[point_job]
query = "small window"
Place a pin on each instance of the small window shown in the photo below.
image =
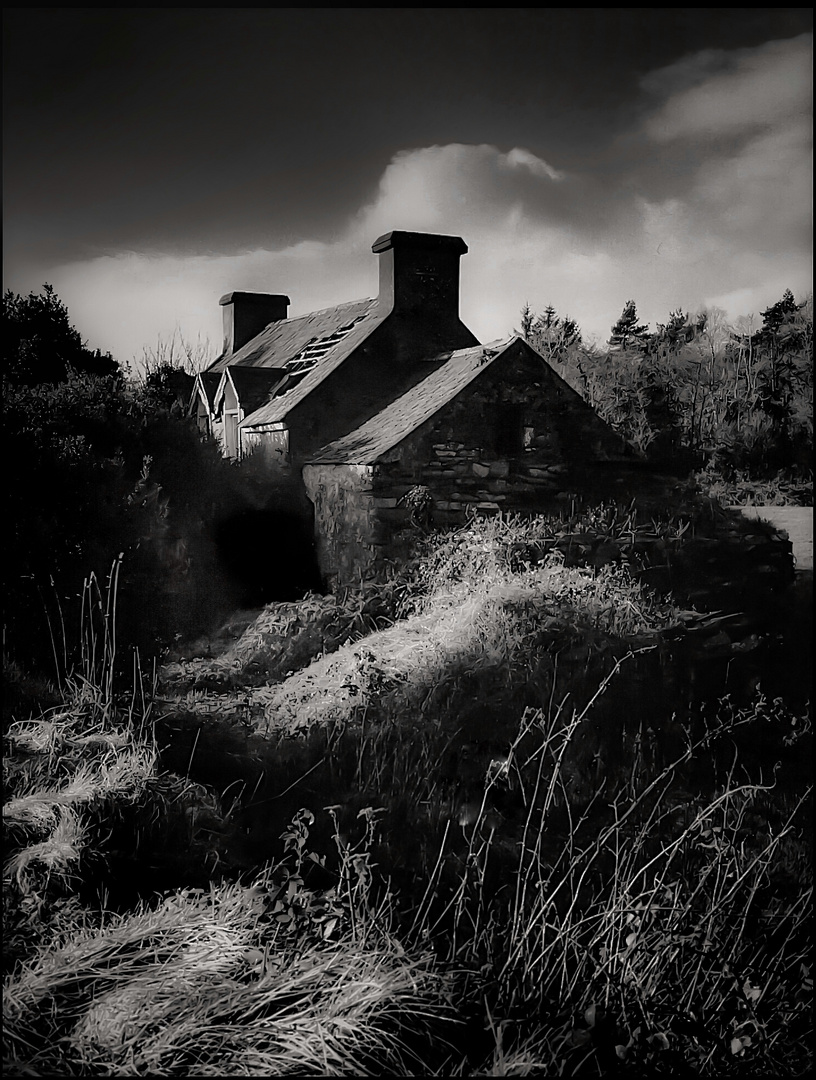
(509, 430)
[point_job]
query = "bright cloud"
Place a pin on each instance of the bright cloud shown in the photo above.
(751, 188)
(126, 303)
(454, 187)
(523, 159)
(735, 231)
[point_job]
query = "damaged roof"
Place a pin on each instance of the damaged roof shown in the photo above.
(295, 355)
(388, 428)
(284, 339)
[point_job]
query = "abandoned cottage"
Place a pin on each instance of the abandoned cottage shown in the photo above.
(374, 400)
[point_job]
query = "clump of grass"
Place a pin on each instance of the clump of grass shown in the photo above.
(79, 784)
(504, 545)
(739, 489)
(478, 612)
(82, 779)
(69, 762)
(670, 546)
(213, 983)
(286, 637)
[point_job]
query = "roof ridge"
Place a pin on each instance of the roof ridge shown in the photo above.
(329, 307)
(489, 347)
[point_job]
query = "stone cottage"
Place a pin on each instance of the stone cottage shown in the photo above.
(390, 407)
(490, 428)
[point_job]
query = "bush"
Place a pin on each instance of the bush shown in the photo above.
(103, 477)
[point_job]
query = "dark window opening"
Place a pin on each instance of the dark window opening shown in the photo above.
(509, 430)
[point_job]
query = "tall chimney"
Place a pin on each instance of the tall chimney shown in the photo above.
(419, 272)
(247, 313)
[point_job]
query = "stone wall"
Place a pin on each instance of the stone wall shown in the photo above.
(517, 440)
(345, 519)
(464, 456)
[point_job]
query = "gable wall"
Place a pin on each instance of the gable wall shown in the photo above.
(203, 417)
(361, 521)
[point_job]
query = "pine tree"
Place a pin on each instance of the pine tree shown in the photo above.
(677, 328)
(527, 320)
(551, 335)
(778, 313)
(572, 334)
(627, 333)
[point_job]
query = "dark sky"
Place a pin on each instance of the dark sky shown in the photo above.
(173, 134)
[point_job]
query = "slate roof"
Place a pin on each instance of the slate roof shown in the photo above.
(282, 340)
(388, 428)
(310, 346)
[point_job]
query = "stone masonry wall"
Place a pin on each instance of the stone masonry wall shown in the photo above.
(460, 455)
(345, 521)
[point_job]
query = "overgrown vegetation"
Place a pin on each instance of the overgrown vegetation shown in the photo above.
(41, 346)
(482, 859)
(107, 467)
(736, 401)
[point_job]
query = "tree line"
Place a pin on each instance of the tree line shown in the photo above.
(697, 392)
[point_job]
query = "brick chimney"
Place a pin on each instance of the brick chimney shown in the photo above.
(247, 313)
(419, 272)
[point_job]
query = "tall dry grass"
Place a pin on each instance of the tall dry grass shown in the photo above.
(206, 984)
(665, 930)
(267, 978)
(653, 919)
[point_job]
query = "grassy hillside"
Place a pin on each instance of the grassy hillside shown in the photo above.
(486, 819)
